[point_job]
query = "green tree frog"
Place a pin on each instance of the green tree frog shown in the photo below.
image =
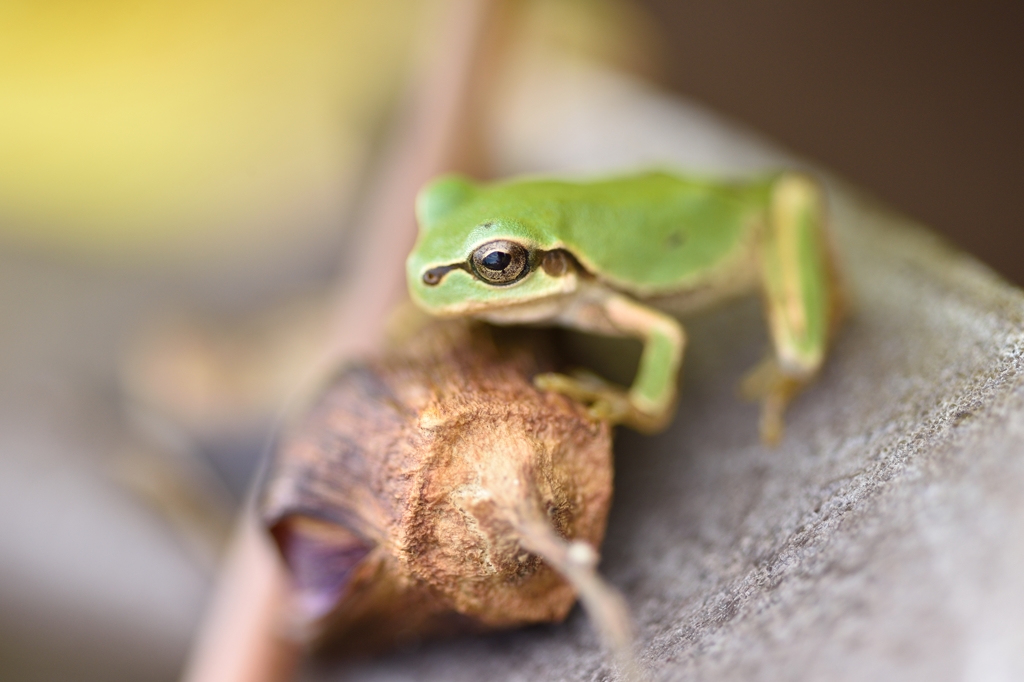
(617, 256)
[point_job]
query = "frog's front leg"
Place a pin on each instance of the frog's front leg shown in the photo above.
(647, 405)
(800, 297)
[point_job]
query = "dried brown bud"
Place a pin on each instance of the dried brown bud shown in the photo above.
(399, 501)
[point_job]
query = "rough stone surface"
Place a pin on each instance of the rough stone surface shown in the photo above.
(882, 540)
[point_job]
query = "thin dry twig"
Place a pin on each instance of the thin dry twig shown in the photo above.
(577, 560)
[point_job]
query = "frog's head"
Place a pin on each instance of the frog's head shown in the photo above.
(481, 249)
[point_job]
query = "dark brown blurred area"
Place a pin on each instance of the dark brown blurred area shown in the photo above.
(920, 103)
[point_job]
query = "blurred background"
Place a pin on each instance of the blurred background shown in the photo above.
(177, 188)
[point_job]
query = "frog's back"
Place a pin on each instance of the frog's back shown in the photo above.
(645, 234)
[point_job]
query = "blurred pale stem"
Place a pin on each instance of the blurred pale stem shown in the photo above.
(241, 639)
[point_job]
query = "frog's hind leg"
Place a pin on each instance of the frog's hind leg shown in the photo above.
(800, 297)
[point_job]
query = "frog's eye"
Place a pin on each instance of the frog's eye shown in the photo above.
(501, 262)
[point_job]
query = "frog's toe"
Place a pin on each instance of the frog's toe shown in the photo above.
(757, 384)
(583, 386)
(605, 401)
(772, 425)
(560, 383)
(613, 408)
(774, 389)
(593, 384)
(616, 407)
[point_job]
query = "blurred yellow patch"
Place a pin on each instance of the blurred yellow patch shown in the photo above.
(133, 128)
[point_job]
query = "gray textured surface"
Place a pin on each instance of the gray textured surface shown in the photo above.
(882, 540)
